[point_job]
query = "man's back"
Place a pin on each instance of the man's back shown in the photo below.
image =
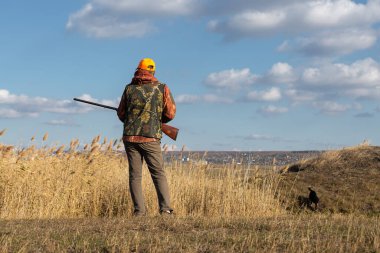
(145, 99)
(144, 107)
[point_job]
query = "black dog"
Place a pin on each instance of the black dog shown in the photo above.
(313, 198)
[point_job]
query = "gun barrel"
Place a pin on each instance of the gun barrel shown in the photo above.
(170, 131)
(93, 103)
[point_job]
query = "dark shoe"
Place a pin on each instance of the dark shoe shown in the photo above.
(138, 214)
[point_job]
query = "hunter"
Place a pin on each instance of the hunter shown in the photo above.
(146, 103)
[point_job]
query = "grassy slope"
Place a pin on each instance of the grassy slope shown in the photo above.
(304, 233)
(347, 180)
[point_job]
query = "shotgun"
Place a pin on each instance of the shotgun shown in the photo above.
(170, 131)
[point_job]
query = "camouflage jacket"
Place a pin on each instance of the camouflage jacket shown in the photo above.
(145, 105)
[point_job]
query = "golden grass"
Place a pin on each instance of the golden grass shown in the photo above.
(303, 233)
(2, 132)
(74, 199)
(66, 183)
(45, 137)
(346, 180)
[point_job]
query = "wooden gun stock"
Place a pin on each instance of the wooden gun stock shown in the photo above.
(170, 131)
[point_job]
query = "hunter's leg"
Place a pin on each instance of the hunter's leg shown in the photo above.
(153, 157)
(135, 160)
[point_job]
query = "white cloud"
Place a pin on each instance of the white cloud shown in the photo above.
(323, 27)
(297, 17)
(341, 13)
(16, 106)
(332, 81)
(359, 80)
(126, 18)
(212, 98)
(235, 79)
(61, 122)
(362, 73)
(281, 72)
(273, 94)
(186, 99)
(364, 115)
(363, 93)
(248, 23)
(87, 97)
(299, 96)
(310, 85)
(284, 47)
(151, 8)
(271, 110)
(281, 69)
(207, 98)
(255, 21)
(104, 25)
(331, 107)
(12, 113)
(232, 79)
(339, 42)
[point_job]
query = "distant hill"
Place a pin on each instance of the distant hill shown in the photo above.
(346, 180)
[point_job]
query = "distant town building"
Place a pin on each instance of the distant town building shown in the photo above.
(266, 158)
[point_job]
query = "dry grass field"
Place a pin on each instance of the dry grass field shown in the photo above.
(76, 199)
(347, 180)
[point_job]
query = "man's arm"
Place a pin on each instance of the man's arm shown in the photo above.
(169, 109)
(121, 108)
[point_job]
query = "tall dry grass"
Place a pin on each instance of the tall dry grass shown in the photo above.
(225, 209)
(63, 182)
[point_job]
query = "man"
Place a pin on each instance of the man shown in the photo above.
(145, 104)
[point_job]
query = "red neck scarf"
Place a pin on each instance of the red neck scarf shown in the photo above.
(143, 76)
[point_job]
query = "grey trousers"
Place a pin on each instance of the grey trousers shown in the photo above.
(151, 153)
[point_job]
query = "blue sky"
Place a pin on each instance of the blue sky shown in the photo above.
(246, 75)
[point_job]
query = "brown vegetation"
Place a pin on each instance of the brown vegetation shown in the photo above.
(70, 183)
(76, 199)
(347, 180)
(285, 233)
